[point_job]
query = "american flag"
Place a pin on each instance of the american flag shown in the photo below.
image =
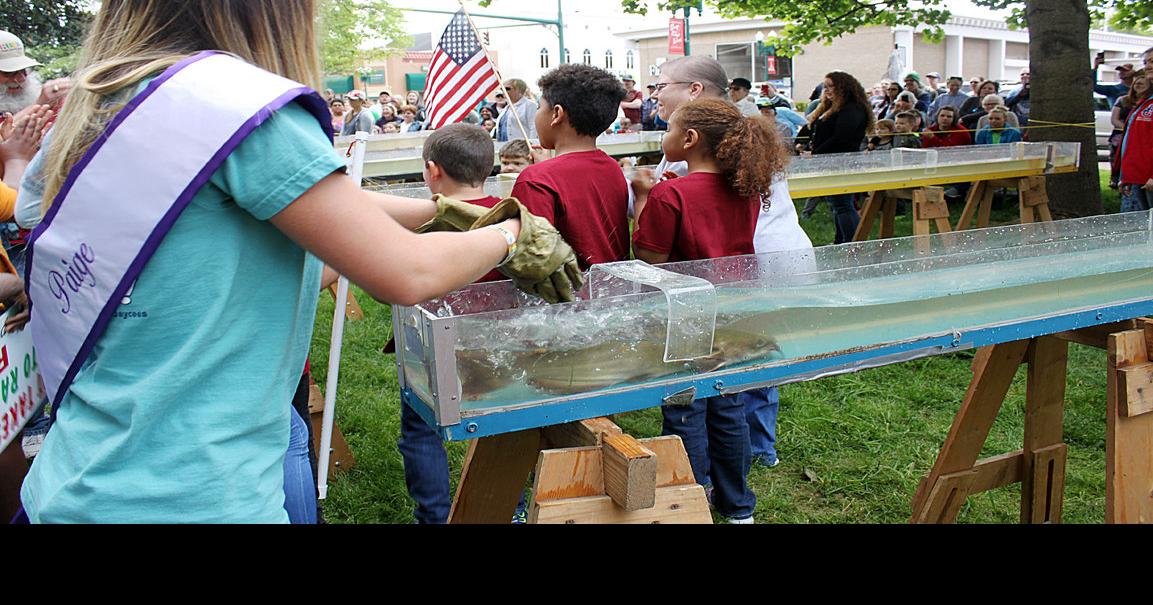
(459, 76)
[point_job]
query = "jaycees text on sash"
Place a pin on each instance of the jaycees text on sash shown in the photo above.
(76, 276)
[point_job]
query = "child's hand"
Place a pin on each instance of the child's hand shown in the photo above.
(27, 128)
(643, 181)
(53, 92)
(928, 134)
(539, 154)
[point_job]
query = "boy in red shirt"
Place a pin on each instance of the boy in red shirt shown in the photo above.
(582, 191)
(457, 159)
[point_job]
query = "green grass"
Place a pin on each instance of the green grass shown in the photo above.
(853, 447)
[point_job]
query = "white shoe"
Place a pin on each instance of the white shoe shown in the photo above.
(746, 521)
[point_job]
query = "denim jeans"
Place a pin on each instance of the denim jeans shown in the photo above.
(299, 485)
(1136, 200)
(716, 437)
(425, 467)
(761, 407)
(845, 217)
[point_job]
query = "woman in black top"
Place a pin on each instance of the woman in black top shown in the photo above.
(839, 128)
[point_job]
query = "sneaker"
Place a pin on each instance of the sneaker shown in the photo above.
(952, 192)
(745, 521)
(520, 517)
(763, 460)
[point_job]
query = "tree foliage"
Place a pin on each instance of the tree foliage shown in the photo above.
(824, 20)
(352, 32)
(52, 30)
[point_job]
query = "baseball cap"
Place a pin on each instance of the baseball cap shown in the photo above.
(12, 56)
(1124, 69)
(742, 83)
(653, 86)
(764, 102)
(356, 94)
(914, 75)
(628, 77)
(933, 74)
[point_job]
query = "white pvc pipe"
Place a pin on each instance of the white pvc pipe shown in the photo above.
(356, 170)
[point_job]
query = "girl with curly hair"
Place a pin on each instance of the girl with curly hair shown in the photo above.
(734, 162)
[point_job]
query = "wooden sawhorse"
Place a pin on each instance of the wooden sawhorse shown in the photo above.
(1033, 201)
(586, 472)
(1040, 465)
(929, 208)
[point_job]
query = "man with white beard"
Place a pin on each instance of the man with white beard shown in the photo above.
(21, 87)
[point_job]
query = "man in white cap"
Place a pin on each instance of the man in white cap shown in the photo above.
(360, 117)
(21, 87)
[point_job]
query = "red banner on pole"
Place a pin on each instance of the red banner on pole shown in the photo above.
(676, 36)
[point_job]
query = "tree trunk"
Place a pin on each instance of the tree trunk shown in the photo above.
(1062, 91)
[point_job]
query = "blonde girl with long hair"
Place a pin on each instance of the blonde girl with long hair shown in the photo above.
(178, 412)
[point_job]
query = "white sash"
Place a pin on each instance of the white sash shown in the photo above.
(127, 191)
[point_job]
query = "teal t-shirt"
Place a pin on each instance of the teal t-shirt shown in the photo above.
(181, 412)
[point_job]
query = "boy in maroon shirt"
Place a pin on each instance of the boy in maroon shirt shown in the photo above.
(582, 191)
(457, 159)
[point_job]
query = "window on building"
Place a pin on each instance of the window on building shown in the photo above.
(629, 60)
(544, 58)
(608, 59)
(756, 62)
(588, 57)
(567, 56)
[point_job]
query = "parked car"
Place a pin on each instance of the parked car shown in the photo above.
(1103, 125)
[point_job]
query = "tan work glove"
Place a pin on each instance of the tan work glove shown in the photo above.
(452, 215)
(543, 264)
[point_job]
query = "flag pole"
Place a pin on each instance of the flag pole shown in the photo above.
(480, 40)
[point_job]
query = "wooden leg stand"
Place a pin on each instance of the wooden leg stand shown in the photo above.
(1032, 195)
(340, 458)
(1129, 427)
(929, 209)
(1039, 466)
(352, 310)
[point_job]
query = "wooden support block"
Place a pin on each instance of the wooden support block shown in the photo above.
(673, 466)
(352, 310)
(1035, 193)
(579, 434)
(929, 203)
(1097, 336)
(340, 457)
(494, 474)
(997, 471)
(315, 398)
(630, 472)
(1128, 440)
(1136, 384)
(579, 471)
(946, 497)
(1047, 485)
(575, 472)
(677, 504)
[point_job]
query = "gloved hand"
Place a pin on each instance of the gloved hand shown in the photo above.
(452, 215)
(543, 264)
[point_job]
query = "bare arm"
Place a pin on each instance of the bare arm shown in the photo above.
(1115, 118)
(379, 254)
(650, 257)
